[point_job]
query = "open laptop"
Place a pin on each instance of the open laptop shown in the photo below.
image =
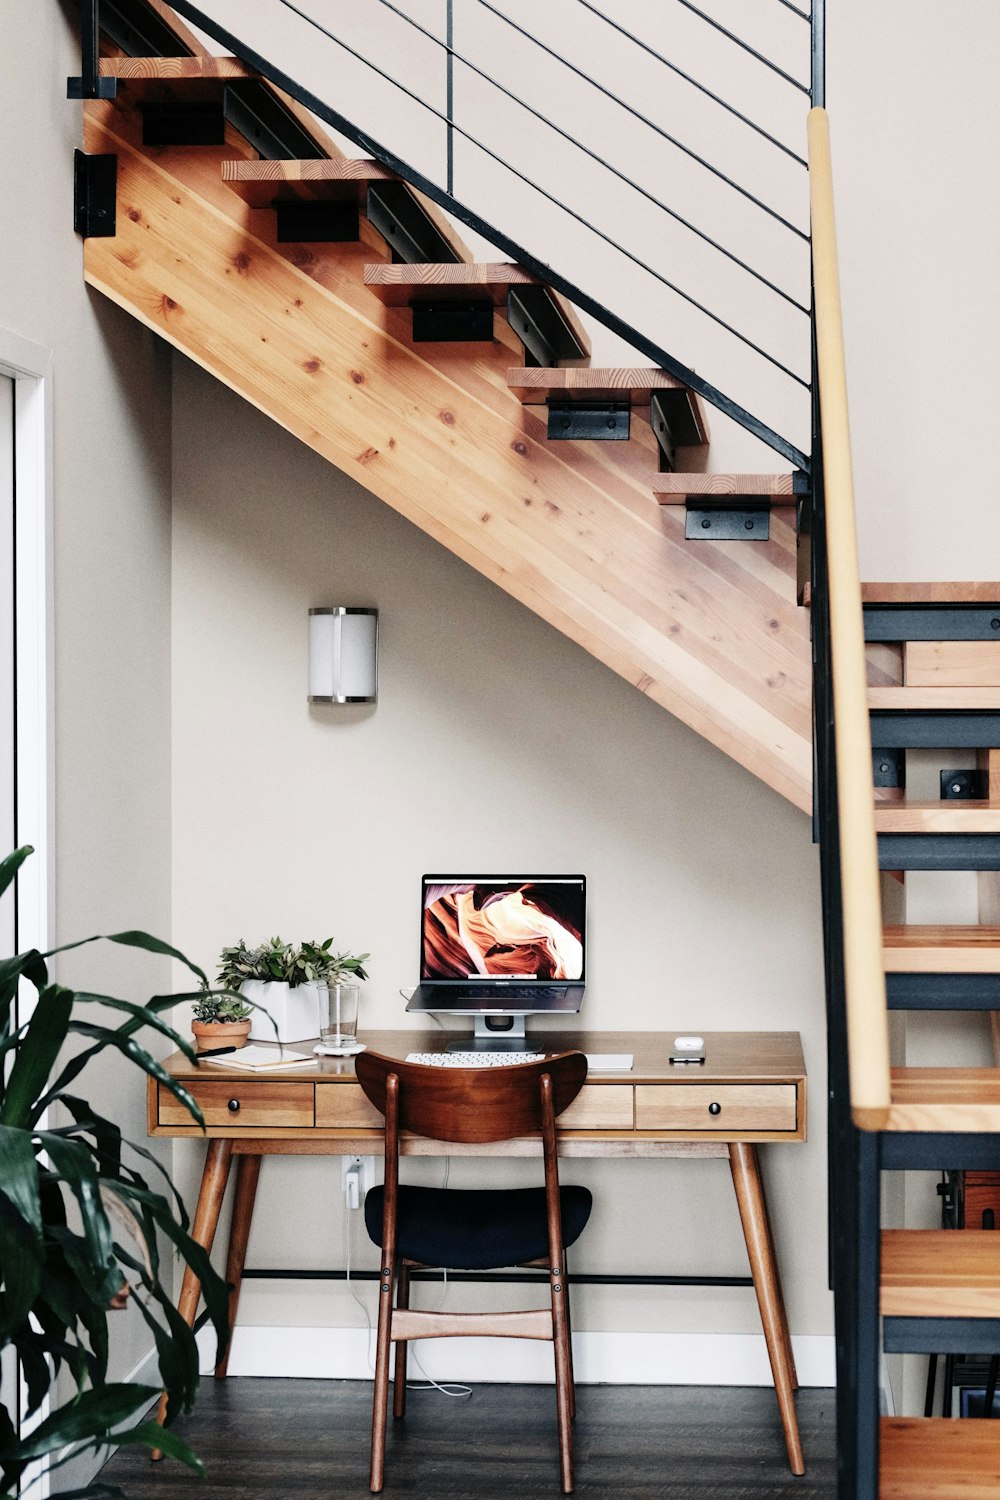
(501, 944)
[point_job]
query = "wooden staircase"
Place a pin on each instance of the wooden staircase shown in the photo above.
(329, 338)
(345, 307)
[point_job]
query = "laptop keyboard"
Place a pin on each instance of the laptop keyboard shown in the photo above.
(507, 992)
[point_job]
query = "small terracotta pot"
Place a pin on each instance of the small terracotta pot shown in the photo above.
(220, 1033)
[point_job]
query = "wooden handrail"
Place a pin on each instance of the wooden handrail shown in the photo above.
(867, 1015)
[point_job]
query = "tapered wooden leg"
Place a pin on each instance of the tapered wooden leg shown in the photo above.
(402, 1346)
(569, 1340)
(206, 1221)
(381, 1398)
(247, 1177)
(764, 1269)
(785, 1333)
(564, 1374)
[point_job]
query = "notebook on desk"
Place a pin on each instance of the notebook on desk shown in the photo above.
(503, 942)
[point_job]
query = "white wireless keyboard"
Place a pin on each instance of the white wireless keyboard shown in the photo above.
(472, 1059)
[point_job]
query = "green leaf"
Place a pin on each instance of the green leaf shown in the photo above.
(22, 1256)
(11, 864)
(19, 1177)
(88, 1418)
(36, 1055)
(73, 1163)
(152, 1435)
(105, 1037)
(133, 939)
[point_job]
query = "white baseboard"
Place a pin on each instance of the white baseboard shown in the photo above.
(598, 1358)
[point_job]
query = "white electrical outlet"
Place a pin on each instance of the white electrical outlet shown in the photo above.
(357, 1174)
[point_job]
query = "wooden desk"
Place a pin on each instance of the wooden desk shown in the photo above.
(751, 1089)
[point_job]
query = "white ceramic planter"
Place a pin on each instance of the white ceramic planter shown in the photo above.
(295, 1012)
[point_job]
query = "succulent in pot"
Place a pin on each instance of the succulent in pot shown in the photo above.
(220, 1020)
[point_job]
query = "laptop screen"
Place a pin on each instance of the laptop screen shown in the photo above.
(503, 927)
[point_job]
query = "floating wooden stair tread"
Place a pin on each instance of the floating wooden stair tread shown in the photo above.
(939, 949)
(539, 386)
(200, 76)
(935, 699)
(264, 183)
(678, 489)
(937, 817)
(398, 286)
(934, 1458)
(945, 1099)
(938, 1273)
(930, 593)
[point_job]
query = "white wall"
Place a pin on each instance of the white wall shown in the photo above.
(495, 743)
(111, 416)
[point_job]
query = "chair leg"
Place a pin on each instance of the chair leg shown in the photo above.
(569, 1339)
(402, 1346)
(381, 1399)
(564, 1374)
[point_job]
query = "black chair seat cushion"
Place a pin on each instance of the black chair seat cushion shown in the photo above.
(477, 1229)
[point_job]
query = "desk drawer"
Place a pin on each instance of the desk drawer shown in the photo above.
(746, 1106)
(600, 1106)
(256, 1103)
(344, 1106)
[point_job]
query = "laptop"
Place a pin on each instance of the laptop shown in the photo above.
(501, 944)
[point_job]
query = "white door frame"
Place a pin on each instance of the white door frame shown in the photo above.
(30, 368)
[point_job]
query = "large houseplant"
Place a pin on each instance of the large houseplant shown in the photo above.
(59, 1276)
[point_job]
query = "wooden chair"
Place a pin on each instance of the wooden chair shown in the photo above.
(482, 1229)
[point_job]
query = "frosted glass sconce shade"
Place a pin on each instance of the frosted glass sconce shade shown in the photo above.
(343, 655)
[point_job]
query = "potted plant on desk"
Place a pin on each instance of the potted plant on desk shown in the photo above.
(287, 984)
(220, 1020)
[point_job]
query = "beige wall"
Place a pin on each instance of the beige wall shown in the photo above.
(495, 743)
(111, 415)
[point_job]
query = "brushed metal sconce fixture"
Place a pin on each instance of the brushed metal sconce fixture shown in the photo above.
(343, 655)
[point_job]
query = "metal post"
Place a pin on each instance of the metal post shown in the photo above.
(450, 104)
(818, 25)
(90, 85)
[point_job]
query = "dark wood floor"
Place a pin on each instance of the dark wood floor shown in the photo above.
(308, 1440)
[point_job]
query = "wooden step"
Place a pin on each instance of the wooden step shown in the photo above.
(939, 949)
(400, 286)
(951, 664)
(935, 1458)
(541, 386)
(262, 184)
(935, 699)
(155, 77)
(937, 817)
(679, 489)
(940, 1273)
(945, 1100)
(930, 593)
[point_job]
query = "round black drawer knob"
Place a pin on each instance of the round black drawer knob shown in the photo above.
(234, 1106)
(713, 1109)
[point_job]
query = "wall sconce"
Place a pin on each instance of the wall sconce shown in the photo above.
(343, 655)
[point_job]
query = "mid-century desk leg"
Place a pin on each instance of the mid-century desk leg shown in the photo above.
(206, 1220)
(247, 1176)
(767, 1284)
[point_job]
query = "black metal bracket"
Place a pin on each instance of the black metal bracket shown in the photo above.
(932, 622)
(969, 730)
(536, 318)
(939, 851)
(592, 421)
(405, 226)
(673, 422)
(938, 1335)
(889, 767)
(457, 322)
(723, 523)
(321, 222)
(942, 991)
(963, 786)
(95, 179)
(82, 88)
(165, 123)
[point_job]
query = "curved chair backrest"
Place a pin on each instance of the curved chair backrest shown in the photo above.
(471, 1104)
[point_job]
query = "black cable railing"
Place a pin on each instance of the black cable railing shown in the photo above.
(449, 195)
